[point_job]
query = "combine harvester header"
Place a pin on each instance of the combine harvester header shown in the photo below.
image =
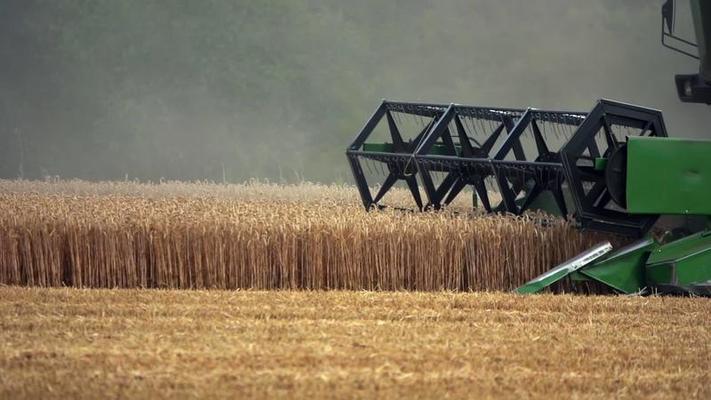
(533, 158)
(614, 168)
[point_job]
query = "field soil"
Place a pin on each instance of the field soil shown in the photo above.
(81, 343)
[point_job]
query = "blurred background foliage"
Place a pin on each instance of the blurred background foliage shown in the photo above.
(275, 89)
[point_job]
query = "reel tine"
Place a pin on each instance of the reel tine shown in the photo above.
(550, 126)
(484, 131)
(369, 167)
(470, 126)
(565, 129)
(545, 127)
(467, 124)
(376, 167)
(493, 186)
(481, 126)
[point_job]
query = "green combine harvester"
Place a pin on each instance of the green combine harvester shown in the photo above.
(613, 169)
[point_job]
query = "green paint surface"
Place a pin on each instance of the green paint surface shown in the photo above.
(682, 262)
(437, 149)
(668, 176)
(624, 269)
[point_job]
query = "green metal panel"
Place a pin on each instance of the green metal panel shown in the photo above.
(624, 269)
(567, 268)
(546, 202)
(681, 263)
(668, 176)
(681, 248)
(442, 150)
(578, 277)
(600, 163)
(694, 269)
(437, 149)
(659, 274)
(379, 147)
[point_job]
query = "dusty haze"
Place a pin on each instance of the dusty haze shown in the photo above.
(233, 90)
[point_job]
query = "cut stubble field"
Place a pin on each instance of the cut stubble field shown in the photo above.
(96, 343)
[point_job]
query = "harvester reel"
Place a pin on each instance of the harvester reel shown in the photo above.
(594, 161)
(575, 157)
(396, 157)
(522, 176)
(451, 147)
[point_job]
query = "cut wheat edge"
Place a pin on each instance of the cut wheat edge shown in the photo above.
(263, 236)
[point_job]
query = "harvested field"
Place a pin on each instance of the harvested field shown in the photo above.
(72, 343)
(262, 236)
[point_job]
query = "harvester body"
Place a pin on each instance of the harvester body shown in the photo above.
(661, 176)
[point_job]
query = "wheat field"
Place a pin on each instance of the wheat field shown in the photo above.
(420, 320)
(262, 236)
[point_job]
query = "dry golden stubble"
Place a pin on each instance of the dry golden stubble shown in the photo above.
(74, 343)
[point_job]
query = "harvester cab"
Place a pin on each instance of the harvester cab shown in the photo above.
(691, 88)
(612, 169)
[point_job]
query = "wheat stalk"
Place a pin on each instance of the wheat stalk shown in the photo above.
(262, 236)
